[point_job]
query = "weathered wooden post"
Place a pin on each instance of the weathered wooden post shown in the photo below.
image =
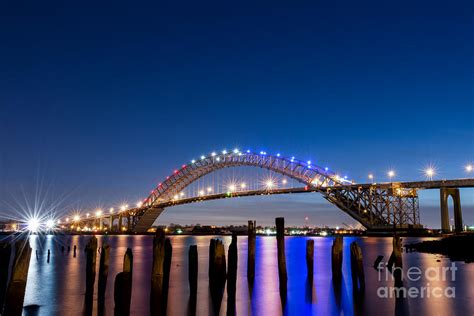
(157, 274)
(193, 278)
(336, 259)
(212, 248)
(75, 251)
(310, 258)
(16, 289)
(36, 253)
(49, 254)
(283, 278)
(103, 274)
(251, 251)
(395, 262)
(357, 267)
(166, 272)
(68, 249)
(5, 254)
(218, 274)
(91, 256)
(232, 276)
(123, 286)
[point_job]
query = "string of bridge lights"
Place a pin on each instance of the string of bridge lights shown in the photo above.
(35, 225)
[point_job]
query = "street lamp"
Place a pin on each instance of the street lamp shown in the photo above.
(371, 177)
(391, 174)
(469, 168)
(430, 172)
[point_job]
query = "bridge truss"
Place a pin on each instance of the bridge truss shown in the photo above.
(375, 207)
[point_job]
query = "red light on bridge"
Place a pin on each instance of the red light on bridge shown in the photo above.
(183, 166)
(306, 188)
(176, 171)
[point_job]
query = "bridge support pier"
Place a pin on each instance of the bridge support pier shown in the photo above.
(445, 193)
(119, 224)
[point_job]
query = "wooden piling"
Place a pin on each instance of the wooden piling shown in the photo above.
(103, 274)
(166, 272)
(157, 273)
(62, 248)
(193, 273)
(212, 248)
(310, 258)
(217, 274)
(336, 259)
(395, 262)
(357, 267)
(5, 255)
(232, 276)
(123, 286)
(16, 289)
(282, 274)
(75, 251)
(49, 254)
(251, 251)
(91, 256)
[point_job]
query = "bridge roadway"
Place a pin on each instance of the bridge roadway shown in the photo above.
(421, 185)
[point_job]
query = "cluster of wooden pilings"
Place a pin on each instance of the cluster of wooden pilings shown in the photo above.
(221, 271)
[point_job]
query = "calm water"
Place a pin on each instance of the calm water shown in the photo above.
(58, 286)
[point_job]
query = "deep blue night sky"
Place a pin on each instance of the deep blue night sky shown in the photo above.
(100, 103)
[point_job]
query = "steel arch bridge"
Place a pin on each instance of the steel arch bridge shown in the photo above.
(375, 207)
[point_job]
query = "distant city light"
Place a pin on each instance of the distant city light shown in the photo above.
(309, 162)
(98, 213)
(111, 210)
(209, 189)
(201, 193)
(371, 176)
(284, 181)
(236, 151)
(203, 157)
(139, 204)
(123, 207)
(33, 224)
(181, 193)
(243, 185)
(193, 161)
(231, 187)
(50, 224)
(76, 218)
(224, 151)
(218, 159)
(278, 155)
(88, 214)
(213, 154)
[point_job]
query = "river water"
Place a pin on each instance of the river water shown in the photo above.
(57, 287)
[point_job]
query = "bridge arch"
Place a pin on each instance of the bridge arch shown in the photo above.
(304, 172)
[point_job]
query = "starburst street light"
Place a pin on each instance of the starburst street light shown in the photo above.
(469, 168)
(371, 177)
(269, 183)
(430, 172)
(391, 174)
(50, 224)
(243, 185)
(76, 218)
(209, 189)
(98, 213)
(231, 187)
(33, 224)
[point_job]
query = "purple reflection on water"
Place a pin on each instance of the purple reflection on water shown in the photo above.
(58, 287)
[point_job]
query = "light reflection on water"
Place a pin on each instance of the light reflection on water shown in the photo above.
(58, 287)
